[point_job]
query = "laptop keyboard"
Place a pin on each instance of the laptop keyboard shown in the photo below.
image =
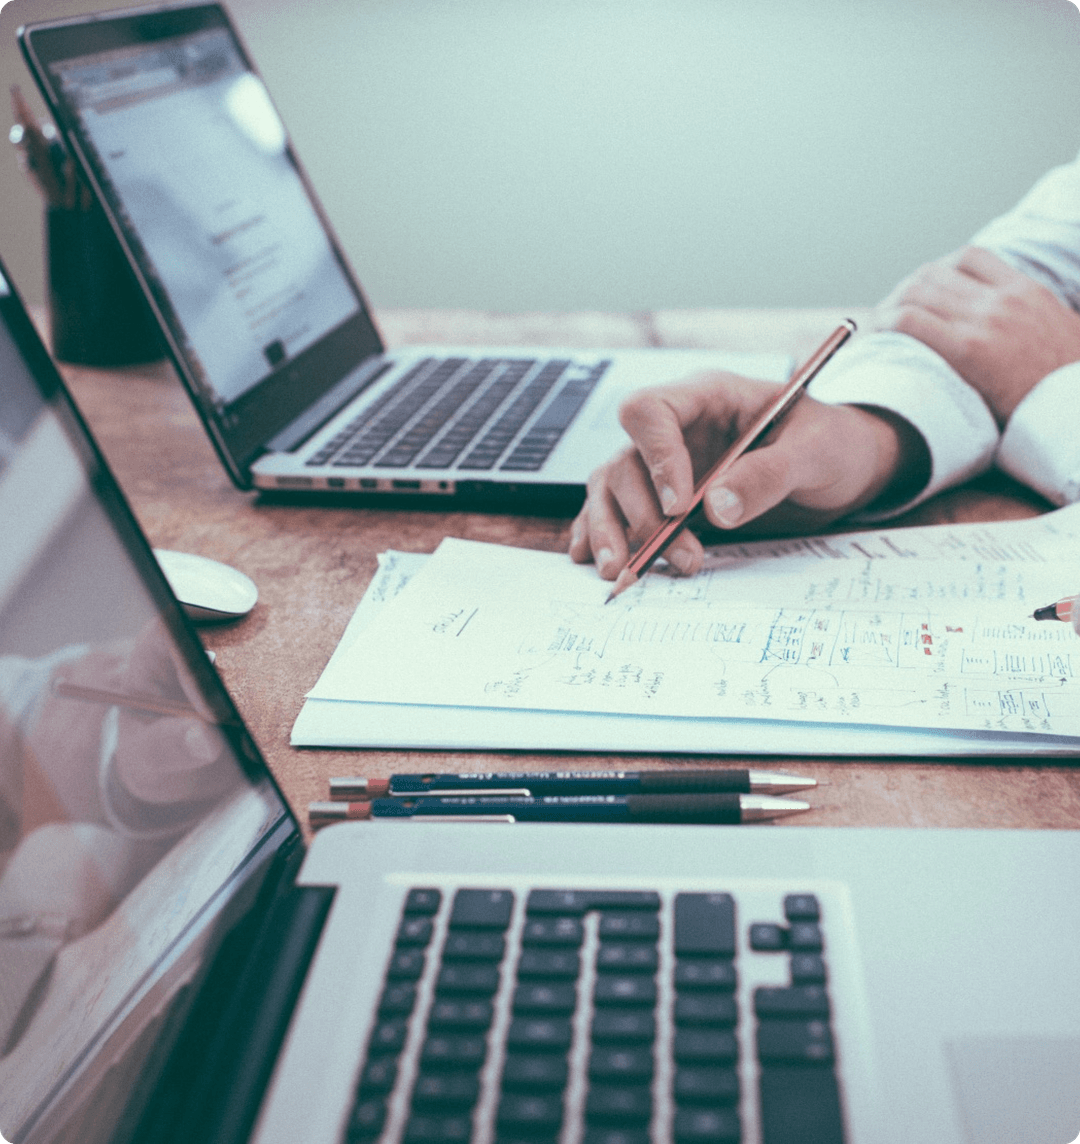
(467, 414)
(605, 1017)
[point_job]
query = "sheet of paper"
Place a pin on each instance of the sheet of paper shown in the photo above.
(916, 628)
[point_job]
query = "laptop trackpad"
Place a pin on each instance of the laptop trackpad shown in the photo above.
(1017, 1090)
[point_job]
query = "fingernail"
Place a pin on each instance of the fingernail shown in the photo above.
(681, 560)
(725, 507)
(668, 499)
(604, 558)
(575, 535)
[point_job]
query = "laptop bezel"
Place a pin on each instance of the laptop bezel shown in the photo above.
(240, 429)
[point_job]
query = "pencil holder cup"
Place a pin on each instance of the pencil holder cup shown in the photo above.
(97, 311)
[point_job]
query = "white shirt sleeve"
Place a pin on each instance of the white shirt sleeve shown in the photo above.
(1040, 445)
(895, 372)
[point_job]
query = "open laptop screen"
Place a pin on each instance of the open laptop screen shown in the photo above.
(194, 164)
(131, 800)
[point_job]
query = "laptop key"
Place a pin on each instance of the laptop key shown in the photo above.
(539, 1033)
(423, 1129)
(793, 1042)
(474, 947)
(440, 1091)
(406, 964)
(799, 1105)
(549, 963)
(692, 973)
(618, 1104)
(468, 1015)
(808, 969)
(536, 1072)
(633, 926)
(545, 997)
(623, 1025)
(624, 989)
(802, 908)
(553, 931)
(706, 1084)
(423, 901)
(481, 909)
(627, 957)
(705, 1046)
(715, 1125)
(450, 1050)
(467, 977)
(704, 925)
(621, 1063)
(706, 1009)
(791, 1001)
(530, 1110)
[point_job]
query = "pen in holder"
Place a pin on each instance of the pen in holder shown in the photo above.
(97, 310)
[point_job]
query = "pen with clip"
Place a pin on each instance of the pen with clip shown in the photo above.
(716, 809)
(526, 783)
(769, 417)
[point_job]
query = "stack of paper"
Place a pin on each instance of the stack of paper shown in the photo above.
(903, 641)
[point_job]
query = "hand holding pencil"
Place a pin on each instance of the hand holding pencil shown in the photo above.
(821, 463)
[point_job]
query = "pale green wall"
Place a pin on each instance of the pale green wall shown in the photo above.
(622, 154)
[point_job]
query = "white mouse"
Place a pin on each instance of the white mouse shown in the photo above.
(209, 590)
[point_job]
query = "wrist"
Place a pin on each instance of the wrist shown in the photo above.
(900, 468)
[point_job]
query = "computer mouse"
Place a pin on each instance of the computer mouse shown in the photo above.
(209, 590)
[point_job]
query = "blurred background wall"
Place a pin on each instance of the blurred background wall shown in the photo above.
(629, 154)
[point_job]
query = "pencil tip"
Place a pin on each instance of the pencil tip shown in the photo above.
(623, 581)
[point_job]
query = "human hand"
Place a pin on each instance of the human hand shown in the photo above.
(998, 328)
(822, 462)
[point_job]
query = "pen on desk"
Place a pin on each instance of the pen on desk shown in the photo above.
(1062, 610)
(716, 809)
(132, 701)
(525, 783)
(763, 424)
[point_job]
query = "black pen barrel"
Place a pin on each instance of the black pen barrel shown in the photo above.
(717, 809)
(706, 782)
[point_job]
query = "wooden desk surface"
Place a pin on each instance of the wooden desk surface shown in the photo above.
(312, 565)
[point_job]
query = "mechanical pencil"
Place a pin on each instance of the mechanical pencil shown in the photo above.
(525, 783)
(717, 809)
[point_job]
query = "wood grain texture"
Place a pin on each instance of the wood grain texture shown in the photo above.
(312, 564)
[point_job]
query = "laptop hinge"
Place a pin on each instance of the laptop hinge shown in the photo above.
(302, 428)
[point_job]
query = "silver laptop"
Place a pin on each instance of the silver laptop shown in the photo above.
(263, 318)
(175, 968)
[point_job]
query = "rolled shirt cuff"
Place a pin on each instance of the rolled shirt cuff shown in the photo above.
(1040, 445)
(899, 374)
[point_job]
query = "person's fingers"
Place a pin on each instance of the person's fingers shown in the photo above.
(170, 758)
(984, 267)
(656, 420)
(622, 508)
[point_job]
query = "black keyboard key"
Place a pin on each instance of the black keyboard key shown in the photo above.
(624, 1025)
(692, 973)
(624, 989)
(474, 947)
(549, 963)
(539, 1034)
(423, 901)
(442, 1091)
(627, 957)
(805, 937)
(467, 977)
(387, 1037)
(802, 908)
(426, 1129)
(639, 925)
(378, 1076)
(535, 1072)
(793, 1001)
(704, 925)
(706, 1084)
(415, 930)
(481, 909)
(765, 937)
(621, 1064)
(546, 997)
(581, 901)
(618, 1104)
(794, 1042)
(366, 1119)
(799, 1105)
(705, 1046)
(714, 1125)
(553, 931)
(406, 964)
(706, 1009)
(453, 1050)
(531, 1111)
(808, 969)
(398, 999)
(461, 1015)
